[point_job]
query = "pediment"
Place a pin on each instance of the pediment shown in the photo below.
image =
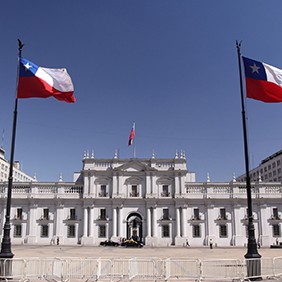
(165, 180)
(133, 180)
(134, 166)
(102, 180)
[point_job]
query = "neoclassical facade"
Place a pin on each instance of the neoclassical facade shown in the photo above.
(157, 201)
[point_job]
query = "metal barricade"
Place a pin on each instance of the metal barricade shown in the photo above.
(137, 269)
(223, 269)
(277, 266)
(12, 269)
(144, 269)
(78, 268)
(182, 268)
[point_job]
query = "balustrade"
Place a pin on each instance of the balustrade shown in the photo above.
(193, 189)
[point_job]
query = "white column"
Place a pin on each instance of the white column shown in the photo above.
(32, 220)
(182, 185)
(119, 186)
(153, 185)
(148, 222)
(177, 185)
(177, 222)
(91, 216)
(148, 186)
(86, 185)
(59, 220)
(154, 223)
(211, 215)
(184, 221)
(120, 226)
(85, 221)
(115, 185)
(265, 231)
(114, 222)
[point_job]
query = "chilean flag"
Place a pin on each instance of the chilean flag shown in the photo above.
(263, 82)
(132, 134)
(39, 82)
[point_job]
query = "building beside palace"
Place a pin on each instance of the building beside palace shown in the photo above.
(18, 174)
(155, 200)
(269, 170)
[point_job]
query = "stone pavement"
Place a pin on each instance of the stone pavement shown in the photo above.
(25, 251)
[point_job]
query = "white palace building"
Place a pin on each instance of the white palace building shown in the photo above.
(157, 200)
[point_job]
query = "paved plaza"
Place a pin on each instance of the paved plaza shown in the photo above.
(210, 263)
(25, 251)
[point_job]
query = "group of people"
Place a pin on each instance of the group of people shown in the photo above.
(53, 240)
(210, 243)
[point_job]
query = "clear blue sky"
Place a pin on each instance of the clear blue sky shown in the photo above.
(170, 66)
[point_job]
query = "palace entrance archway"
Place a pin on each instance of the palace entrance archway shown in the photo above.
(134, 227)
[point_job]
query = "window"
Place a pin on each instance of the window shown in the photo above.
(165, 231)
(46, 214)
(275, 214)
(222, 214)
(223, 231)
(196, 214)
(71, 231)
(103, 192)
(196, 231)
(103, 214)
(276, 230)
(18, 231)
(19, 214)
(166, 214)
(165, 192)
(102, 231)
(72, 214)
(44, 231)
(134, 192)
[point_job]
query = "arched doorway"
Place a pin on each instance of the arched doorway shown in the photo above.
(134, 227)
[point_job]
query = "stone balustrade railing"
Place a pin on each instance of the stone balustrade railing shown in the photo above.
(190, 190)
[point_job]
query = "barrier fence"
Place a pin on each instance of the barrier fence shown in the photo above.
(136, 269)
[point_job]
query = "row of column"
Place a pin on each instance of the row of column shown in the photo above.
(118, 231)
(151, 222)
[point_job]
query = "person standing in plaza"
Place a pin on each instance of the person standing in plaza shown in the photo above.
(211, 244)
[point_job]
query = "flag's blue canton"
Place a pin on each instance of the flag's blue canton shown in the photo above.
(254, 69)
(27, 68)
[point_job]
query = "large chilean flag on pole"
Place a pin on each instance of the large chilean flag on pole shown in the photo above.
(263, 82)
(40, 82)
(132, 134)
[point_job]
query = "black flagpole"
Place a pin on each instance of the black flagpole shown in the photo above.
(253, 264)
(6, 251)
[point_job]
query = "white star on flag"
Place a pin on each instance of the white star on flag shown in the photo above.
(255, 68)
(27, 66)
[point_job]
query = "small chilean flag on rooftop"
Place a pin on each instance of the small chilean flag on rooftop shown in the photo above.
(263, 82)
(132, 134)
(40, 82)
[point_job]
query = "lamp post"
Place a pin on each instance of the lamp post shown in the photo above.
(252, 255)
(6, 253)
